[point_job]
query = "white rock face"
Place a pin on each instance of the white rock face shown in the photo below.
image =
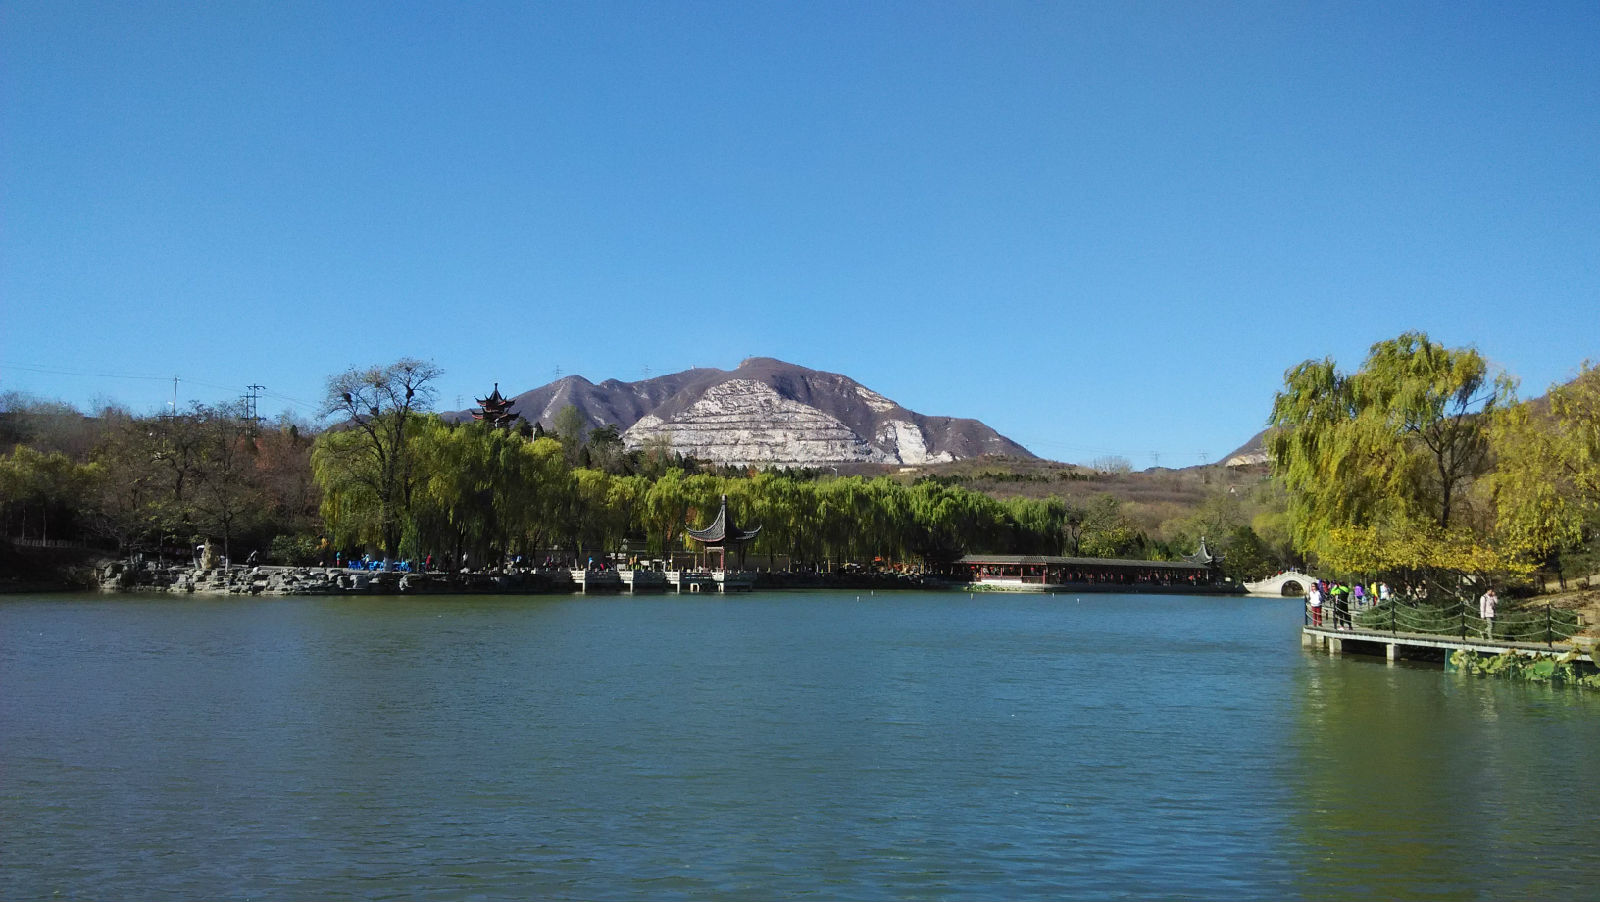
(766, 412)
(1246, 459)
(876, 401)
(905, 441)
(741, 421)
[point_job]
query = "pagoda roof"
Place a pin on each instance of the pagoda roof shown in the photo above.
(1204, 556)
(495, 401)
(722, 530)
(495, 409)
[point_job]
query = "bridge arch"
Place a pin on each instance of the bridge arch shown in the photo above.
(1285, 585)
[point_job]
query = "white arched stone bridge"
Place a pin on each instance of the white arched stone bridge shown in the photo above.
(1290, 582)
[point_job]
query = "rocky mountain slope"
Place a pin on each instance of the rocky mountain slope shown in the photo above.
(767, 412)
(1251, 453)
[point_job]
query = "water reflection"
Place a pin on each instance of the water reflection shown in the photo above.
(1423, 785)
(788, 746)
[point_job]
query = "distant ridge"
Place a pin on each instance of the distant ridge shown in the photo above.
(766, 412)
(1250, 453)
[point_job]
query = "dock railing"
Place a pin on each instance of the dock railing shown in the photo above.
(1457, 618)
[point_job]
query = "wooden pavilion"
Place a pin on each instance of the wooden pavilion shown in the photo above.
(721, 533)
(495, 410)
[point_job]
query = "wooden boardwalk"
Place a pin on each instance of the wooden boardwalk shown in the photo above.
(1394, 645)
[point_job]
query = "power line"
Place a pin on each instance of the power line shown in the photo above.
(53, 371)
(59, 371)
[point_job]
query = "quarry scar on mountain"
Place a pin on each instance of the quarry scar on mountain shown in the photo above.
(766, 412)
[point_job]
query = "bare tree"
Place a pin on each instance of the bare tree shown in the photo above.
(376, 408)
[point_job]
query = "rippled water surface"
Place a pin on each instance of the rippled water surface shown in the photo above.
(767, 746)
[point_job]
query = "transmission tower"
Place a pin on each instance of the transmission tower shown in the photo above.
(252, 395)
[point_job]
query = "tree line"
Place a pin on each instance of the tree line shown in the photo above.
(1422, 463)
(390, 477)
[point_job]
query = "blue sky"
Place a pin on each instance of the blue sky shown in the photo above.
(1102, 228)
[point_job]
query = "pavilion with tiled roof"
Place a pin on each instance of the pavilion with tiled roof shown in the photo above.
(721, 533)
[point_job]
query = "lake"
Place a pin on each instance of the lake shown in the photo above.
(775, 745)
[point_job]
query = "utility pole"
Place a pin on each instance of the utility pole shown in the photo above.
(250, 398)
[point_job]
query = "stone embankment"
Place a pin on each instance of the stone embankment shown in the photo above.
(126, 577)
(129, 576)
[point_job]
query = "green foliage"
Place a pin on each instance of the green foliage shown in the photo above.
(1378, 463)
(390, 478)
(296, 551)
(570, 426)
(1569, 668)
(1103, 531)
(367, 465)
(1220, 522)
(42, 493)
(1246, 556)
(204, 472)
(1546, 485)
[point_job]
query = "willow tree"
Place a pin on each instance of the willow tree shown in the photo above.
(774, 501)
(1546, 484)
(1378, 463)
(663, 511)
(41, 493)
(468, 481)
(950, 521)
(537, 481)
(366, 463)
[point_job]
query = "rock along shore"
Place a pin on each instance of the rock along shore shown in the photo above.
(126, 576)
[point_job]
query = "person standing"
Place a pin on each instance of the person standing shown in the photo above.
(1341, 606)
(1314, 603)
(1486, 606)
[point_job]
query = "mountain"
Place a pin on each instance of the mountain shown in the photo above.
(1250, 453)
(766, 412)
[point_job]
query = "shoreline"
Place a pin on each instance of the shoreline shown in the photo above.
(122, 577)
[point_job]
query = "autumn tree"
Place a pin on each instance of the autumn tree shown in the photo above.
(226, 498)
(1378, 463)
(365, 463)
(1106, 532)
(571, 428)
(1546, 483)
(41, 493)
(606, 450)
(127, 498)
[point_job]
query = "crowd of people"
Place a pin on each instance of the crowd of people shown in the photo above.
(1341, 600)
(1338, 602)
(448, 564)
(1123, 576)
